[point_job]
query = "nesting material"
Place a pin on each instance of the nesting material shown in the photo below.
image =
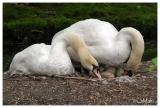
(125, 79)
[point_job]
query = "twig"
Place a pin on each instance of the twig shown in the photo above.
(65, 77)
(77, 78)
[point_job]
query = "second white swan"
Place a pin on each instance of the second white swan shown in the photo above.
(106, 44)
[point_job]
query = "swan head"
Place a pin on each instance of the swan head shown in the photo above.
(90, 63)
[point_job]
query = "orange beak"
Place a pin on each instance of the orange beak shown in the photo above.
(97, 73)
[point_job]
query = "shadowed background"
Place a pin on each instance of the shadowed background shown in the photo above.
(25, 24)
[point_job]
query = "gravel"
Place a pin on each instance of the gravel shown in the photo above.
(140, 89)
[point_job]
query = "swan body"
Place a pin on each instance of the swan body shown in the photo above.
(106, 44)
(36, 59)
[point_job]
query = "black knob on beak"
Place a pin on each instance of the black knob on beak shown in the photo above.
(129, 73)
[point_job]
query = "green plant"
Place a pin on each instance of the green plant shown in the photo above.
(153, 65)
(154, 61)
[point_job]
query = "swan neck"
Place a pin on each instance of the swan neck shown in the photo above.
(79, 46)
(133, 37)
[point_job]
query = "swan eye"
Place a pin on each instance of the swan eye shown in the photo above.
(95, 67)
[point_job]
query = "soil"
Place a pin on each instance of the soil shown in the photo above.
(140, 89)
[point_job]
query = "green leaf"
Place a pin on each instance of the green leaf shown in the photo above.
(154, 61)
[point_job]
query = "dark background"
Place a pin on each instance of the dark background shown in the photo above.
(25, 24)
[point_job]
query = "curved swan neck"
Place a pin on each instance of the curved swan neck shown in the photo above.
(75, 41)
(135, 38)
(78, 45)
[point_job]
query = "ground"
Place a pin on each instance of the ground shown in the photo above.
(141, 89)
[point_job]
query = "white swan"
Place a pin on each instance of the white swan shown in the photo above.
(49, 60)
(106, 44)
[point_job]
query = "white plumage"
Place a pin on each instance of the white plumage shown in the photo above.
(104, 42)
(37, 59)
